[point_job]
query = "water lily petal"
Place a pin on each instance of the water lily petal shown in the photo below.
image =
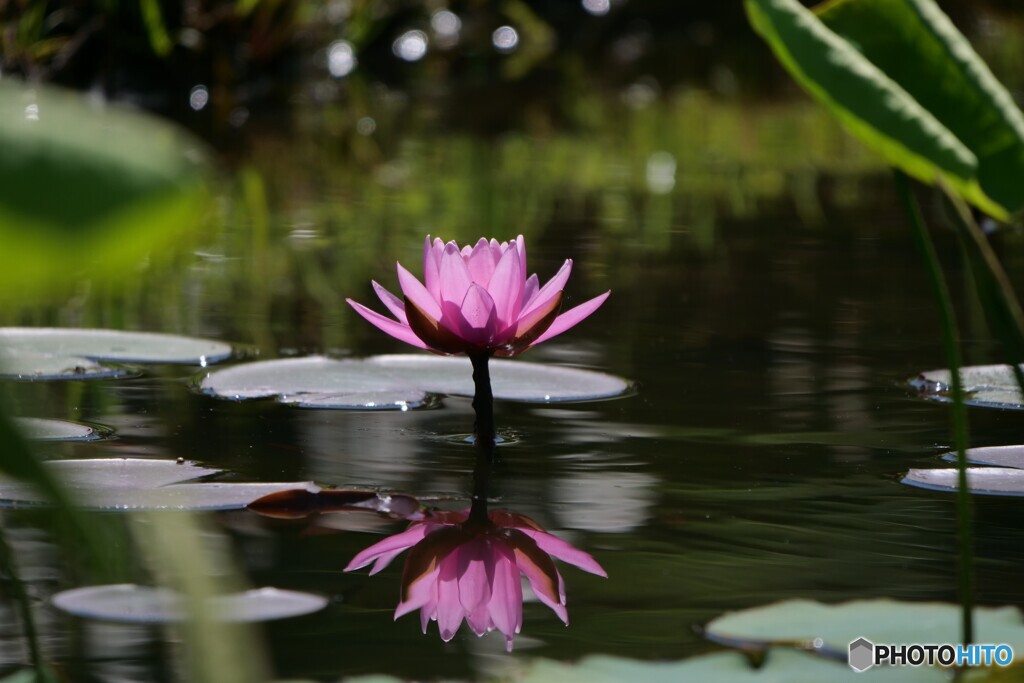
(419, 593)
(474, 575)
(481, 262)
(530, 290)
(550, 289)
(393, 303)
(455, 277)
(565, 552)
(438, 336)
(520, 245)
(392, 327)
(432, 267)
(417, 293)
(506, 288)
(506, 594)
(572, 317)
(391, 546)
(540, 570)
(480, 317)
(449, 608)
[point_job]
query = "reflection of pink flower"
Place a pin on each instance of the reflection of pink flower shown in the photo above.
(461, 569)
(477, 299)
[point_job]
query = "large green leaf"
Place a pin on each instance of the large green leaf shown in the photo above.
(879, 108)
(917, 46)
(88, 188)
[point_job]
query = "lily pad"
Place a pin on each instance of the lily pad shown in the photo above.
(41, 353)
(41, 429)
(141, 484)
(985, 386)
(314, 380)
(803, 622)
(992, 481)
(299, 503)
(780, 666)
(132, 604)
(993, 456)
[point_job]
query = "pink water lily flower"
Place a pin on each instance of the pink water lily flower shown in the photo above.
(460, 569)
(477, 299)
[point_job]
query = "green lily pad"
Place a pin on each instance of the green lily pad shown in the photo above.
(41, 429)
(834, 627)
(780, 666)
(985, 386)
(48, 353)
(132, 604)
(991, 481)
(140, 484)
(325, 383)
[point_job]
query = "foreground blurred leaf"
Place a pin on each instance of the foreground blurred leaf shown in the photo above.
(901, 78)
(87, 188)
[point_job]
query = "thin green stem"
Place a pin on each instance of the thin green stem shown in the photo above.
(948, 323)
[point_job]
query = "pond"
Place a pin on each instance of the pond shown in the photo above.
(768, 307)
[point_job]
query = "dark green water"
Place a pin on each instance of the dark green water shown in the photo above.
(767, 302)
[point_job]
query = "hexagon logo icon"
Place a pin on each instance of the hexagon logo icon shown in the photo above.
(862, 654)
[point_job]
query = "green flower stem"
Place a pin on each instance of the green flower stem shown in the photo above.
(947, 317)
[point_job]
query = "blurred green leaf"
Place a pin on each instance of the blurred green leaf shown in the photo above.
(875, 105)
(917, 46)
(154, 21)
(88, 188)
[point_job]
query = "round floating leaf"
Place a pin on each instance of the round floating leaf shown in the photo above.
(131, 604)
(315, 379)
(994, 456)
(112, 345)
(40, 429)
(140, 484)
(299, 503)
(993, 481)
(780, 666)
(880, 621)
(986, 386)
(28, 365)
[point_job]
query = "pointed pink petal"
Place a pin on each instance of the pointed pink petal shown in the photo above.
(394, 304)
(521, 247)
(449, 608)
(474, 577)
(530, 290)
(479, 313)
(397, 544)
(506, 593)
(571, 317)
(432, 267)
(392, 327)
(481, 263)
(540, 584)
(455, 277)
(420, 593)
(417, 293)
(550, 289)
(565, 552)
(506, 288)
